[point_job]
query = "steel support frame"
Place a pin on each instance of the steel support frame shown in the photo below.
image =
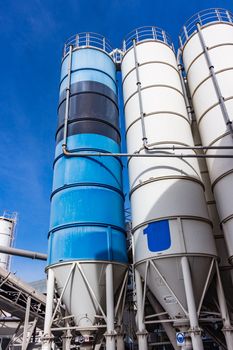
(192, 313)
(194, 330)
(119, 310)
(227, 327)
(26, 322)
(108, 317)
(141, 328)
(110, 334)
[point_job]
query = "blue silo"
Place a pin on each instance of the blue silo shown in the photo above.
(87, 203)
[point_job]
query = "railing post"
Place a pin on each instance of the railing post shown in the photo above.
(154, 33)
(218, 15)
(88, 39)
(229, 16)
(164, 37)
(77, 40)
(186, 33)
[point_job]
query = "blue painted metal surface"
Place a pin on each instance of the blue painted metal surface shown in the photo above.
(158, 236)
(90, 65)
(87, 213)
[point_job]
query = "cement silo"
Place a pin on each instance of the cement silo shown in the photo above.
(87, 256)
(7, 228)
(221, 286)
(207, 48)
(174, 249)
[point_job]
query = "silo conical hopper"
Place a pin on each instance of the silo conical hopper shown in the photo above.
(174, 249)
(87, 247)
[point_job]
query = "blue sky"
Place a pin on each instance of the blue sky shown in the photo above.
(32, 36)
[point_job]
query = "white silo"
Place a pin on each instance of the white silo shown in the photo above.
(7, 226)
(221, 287)
(207, 49)
(174, 248)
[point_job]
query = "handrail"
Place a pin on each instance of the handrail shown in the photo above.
(87, 39)
(205, 17)
(144, 34)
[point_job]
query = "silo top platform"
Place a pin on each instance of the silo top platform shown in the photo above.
(146, 34)
(204, 18)
(90, 40)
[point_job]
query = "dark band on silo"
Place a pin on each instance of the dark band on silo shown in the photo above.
(90, 86)
(93, 109)
(87, 126)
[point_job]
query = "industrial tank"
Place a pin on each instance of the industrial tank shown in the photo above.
(87, 230)
(207, 47)
(7, 226)
(171, 226)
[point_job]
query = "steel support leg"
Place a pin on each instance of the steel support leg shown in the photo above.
(49, 311)
(227, 327)
(110, 334)
(66, 339)
(169, 329)
(120, 341)
(26, 321)
(188, 342)
(141, 332)
(195, 330)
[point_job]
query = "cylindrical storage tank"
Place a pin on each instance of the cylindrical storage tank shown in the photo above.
(6, 236)
(169, 213)
(87, 213)
(226, 269)
(207, 49)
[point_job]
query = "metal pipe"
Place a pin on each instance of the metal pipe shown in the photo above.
(180, 69)
(110, 333)
(141, 329)
(130, 155)
(215, 81)
(195, 330)
(46, 345)
(227, 327)
(64, 145)
(26, 322)
(23, 253)
(144, 137)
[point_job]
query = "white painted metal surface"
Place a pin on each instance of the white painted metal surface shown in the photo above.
(164, 189)
(218, 38)
(6, 236)
(226, 269)
(89, 279)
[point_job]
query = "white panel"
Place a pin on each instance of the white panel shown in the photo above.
(152, 74)
(159, 199)
(201, 103)
(149, 168)
(193, 232)
(148, 52)
(219, 64)
(155, 99)
(216, 34)
(160, 128)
